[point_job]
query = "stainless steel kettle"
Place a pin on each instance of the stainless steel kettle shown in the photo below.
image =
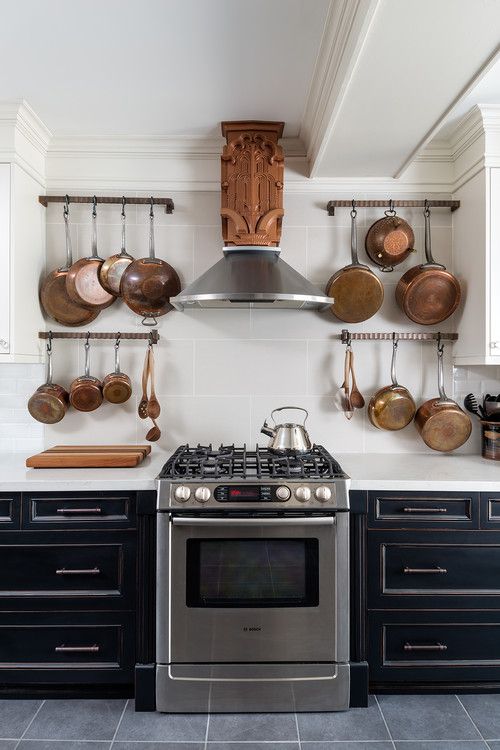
(288, 437)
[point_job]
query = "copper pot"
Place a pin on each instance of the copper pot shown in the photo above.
(117, 387)
(428, 294)
(85, 392)
(82, 281)
(356, 291)
(50, 401)
(112, 269)
(390, 240)
(148, 284)
(442, 424)
(54, 297)
(392, 407)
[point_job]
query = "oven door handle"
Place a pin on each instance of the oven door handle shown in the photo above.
(282, 521)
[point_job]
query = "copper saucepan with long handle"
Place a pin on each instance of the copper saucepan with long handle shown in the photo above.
(85, 392)
(111, 271)
(50, 401)
(117, 387)
(357, 292)
(54, 296)
(82, 282)
(428, 294)
(390, 240)
(442, 424)
(392, 407)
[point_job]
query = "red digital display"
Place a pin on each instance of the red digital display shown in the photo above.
(252, 493)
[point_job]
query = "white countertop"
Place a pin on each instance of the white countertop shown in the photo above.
(399, 471)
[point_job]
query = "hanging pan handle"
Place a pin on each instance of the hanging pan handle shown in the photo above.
(94, 254)
(393, 360)
(430, 262)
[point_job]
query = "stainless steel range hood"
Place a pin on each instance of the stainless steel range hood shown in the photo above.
(251, 273)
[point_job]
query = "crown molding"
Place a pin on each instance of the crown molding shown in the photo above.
(24, 138)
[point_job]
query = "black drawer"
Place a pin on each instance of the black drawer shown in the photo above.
(436, 573)
(434, 646)
(10, 510)
(43, 647)
(78, 510)
(490, 511)
(421, 510)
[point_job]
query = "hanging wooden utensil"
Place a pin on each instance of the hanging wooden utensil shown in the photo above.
(357, 291)
(50, 402)
(428, 294)
(54, 297)
(82, 282)
(392, 407)
(112, 269)
(85, 392)
(148, 284)
(389, 241)
(117, 386)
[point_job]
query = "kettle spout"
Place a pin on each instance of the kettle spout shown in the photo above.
(269, 431)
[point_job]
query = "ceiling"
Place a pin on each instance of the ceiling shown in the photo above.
(160, 67)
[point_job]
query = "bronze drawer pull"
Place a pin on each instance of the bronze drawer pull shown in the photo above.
(78, 572)
(416, 571)
(77, 649)
(69, 511)
(425, 510)
(425, 647)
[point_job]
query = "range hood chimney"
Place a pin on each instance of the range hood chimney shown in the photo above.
(251, 273)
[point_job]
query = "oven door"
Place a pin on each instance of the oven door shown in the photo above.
(253, 589)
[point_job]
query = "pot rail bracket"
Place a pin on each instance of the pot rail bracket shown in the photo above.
(347, 336)
(332, 205)
(106, 199)
(153, 336)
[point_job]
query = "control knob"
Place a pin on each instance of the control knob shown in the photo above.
(283, 492)
(323, 494)
(303, 494)
(202, 494)
(182, 493)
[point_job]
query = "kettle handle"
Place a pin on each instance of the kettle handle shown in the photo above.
(282, 408)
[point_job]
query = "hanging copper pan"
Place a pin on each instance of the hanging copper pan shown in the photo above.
(117, 387)
(82, 282)
(392, 407)
(428, 294)
(390, 240)
(356, 291)
(85, 393)
(148, 284)
(54, 297)
(112, 269)
(50, 401)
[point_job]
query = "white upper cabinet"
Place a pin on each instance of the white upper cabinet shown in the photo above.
(4, 259)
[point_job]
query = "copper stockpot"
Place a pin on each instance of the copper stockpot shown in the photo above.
(54, 296)
(82, 281)
(392, 407)
(356, 291)
(117, 387)
(50, 401)
(428, 294)
(390, 240)
(85, 393)
(442, 424)
(112, 269)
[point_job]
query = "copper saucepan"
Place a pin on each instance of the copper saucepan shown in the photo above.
(148, 284)
(390, 240)
(428, 294)
(117, 387)
(85, 393)
(50, 401)
(442, 424)
(82, 282)
(392, 407)
(357, 292)
(111, 271)
(54, 297)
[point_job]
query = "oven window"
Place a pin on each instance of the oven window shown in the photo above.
(252, 573)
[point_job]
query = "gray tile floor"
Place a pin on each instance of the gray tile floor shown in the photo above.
(391, 722)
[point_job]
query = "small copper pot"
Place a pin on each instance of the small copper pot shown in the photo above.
(389, 241)
(117, 387)
(85, 392)
(392, 407)
(50, 401)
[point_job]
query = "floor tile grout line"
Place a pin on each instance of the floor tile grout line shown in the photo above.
(31, 722)
(473, 722)
(385, 723)
(119, 722)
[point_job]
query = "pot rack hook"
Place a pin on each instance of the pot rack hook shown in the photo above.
(49, 343)
(87, 340)
(354, 211)
(440, 345)
(66, 206)
(124, 200)
(390, 211)
(395, 341)
(117, 342)
(151, 212)
(427, 210)
(94, 206)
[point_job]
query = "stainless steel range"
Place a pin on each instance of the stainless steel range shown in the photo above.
(252, 582)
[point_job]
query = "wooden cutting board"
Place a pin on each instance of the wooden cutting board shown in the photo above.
(89, 457)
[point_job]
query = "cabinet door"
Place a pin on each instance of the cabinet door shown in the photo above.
(5, 258)
(493, 272)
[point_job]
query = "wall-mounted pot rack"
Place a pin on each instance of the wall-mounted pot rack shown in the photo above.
(167, 202)
(332, 205)
(346, 336)
(153, 336)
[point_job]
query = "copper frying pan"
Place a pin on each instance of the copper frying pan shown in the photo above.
(148, 284)
(82, 281)
(428, 294)
(392, 407)
(112, 269)
(356, 291)
(390, 240)
(54, 297)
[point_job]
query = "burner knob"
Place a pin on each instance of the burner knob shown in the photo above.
(303, 494)
(202, 494)
(323, 494)
(182, 493)
(283, 493)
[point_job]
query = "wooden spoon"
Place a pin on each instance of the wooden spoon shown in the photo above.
(143, 404)
(346, 404)
(154, 433)
(357, 399)
(153, 407)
